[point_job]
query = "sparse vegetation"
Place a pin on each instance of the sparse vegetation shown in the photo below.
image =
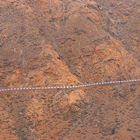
(60, 42)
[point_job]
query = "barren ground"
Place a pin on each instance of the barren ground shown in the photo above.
(51, 42)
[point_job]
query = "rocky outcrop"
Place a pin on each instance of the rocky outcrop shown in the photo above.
(51, 42)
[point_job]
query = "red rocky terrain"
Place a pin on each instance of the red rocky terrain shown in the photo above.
(56, 42)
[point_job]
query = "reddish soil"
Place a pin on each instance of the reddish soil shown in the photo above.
(51, 42)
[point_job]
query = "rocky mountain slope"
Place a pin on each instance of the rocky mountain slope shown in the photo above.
(51, 42)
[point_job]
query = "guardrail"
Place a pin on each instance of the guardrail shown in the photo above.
(72, 86)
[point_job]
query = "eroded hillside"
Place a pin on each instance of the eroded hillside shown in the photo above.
(51, 42)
